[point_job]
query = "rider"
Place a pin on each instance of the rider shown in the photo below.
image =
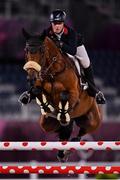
(67, 40)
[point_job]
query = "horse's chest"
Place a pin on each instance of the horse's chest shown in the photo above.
(53, 87)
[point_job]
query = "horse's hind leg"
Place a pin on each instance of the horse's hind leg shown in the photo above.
(90, 122)
(80, 122)
(64, 133)
(94, 118)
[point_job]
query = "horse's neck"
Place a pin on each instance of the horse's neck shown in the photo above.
(52, 49)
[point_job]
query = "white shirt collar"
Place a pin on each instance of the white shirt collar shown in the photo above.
(59, 35)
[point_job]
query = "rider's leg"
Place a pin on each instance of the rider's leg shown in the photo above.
(87, 66)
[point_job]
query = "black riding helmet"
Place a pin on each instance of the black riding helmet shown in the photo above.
(57, 16)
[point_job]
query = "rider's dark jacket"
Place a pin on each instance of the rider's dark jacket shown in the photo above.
(68, 39)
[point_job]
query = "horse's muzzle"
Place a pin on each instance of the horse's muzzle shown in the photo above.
(31, 81)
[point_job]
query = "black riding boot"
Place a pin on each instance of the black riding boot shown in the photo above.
(92, 90)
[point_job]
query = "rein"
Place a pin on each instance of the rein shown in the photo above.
(53, 61)
(52, 74)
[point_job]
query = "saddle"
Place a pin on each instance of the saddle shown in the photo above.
(74, 62)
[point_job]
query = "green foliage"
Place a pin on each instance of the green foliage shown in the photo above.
(107, 176)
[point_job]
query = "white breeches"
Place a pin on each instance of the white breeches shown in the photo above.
(82, 56)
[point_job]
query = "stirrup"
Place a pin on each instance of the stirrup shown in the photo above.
(100, 99)
(84, 85)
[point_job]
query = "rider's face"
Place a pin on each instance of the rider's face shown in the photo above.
(57, 27)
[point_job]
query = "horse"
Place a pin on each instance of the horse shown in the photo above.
(60, 96)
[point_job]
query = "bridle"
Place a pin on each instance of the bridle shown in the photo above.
(43, 72)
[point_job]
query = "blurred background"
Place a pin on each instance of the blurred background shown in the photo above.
(99, 22)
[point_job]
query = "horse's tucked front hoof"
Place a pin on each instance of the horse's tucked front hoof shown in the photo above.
(44, 105)
(63, 117)
(64, 123)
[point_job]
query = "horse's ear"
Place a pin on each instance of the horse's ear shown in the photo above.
(47, 39)
(25, 34)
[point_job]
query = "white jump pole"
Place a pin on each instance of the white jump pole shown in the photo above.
(43, 145)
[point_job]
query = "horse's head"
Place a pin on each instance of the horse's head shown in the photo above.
(42, 57)
(33, 54)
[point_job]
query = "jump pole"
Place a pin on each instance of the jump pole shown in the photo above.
(60, 169)
(44, 145)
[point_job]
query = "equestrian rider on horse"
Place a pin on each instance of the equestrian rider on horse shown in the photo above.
(69, 42)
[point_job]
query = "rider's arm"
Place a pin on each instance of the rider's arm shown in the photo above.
(71, 46)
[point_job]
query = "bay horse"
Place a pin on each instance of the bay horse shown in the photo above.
(60, 96)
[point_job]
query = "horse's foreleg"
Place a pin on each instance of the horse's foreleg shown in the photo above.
(45, 106)
(64, 135)
(68, 100)
(63, 116)
(64, 132)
